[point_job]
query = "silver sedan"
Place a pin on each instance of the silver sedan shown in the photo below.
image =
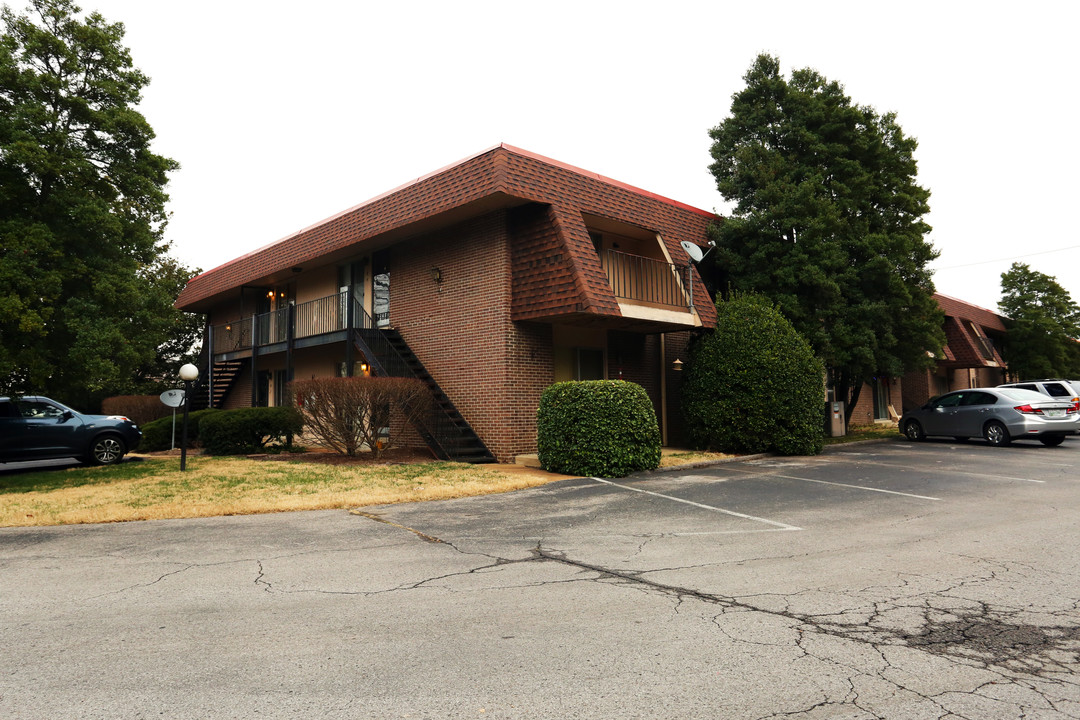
(1000, 415)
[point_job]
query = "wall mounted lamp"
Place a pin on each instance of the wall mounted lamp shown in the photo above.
(676, 365)
(436, 274)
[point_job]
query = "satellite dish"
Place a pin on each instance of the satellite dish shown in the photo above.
(173, 398)
(693, 250)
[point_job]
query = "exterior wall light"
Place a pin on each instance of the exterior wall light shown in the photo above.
(676, 365)
(436, 274)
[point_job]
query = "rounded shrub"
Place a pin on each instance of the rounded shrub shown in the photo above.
(244, 430)
(603, 428)
(753, 385)
(157, 434)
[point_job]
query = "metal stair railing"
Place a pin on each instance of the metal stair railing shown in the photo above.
(443, 427)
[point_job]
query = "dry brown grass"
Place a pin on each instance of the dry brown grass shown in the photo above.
(154, 488)
(689, 457)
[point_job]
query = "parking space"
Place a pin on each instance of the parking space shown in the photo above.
(892, 579)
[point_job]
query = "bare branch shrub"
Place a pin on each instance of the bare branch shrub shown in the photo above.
(349, 414)
(141, 409)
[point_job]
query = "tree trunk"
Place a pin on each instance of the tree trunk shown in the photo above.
(852, 400)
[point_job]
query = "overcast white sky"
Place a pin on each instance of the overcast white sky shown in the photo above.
(284, 113)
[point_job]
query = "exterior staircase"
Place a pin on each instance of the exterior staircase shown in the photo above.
(444, 430)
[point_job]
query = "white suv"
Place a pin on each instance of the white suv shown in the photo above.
(1055, 388)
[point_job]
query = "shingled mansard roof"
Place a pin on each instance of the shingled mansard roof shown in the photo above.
(962, 345)
(555, 266)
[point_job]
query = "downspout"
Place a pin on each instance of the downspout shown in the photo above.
(663, 391)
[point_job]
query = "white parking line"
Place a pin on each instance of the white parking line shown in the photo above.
(780, 525)
(857, 487)
(951, 472)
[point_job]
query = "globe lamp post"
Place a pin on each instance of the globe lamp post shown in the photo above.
(189, 374)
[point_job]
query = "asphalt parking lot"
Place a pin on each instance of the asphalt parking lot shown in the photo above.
(883, 580)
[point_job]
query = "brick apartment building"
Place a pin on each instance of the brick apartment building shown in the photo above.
(972, 354)
(490, 279)
(971, 358)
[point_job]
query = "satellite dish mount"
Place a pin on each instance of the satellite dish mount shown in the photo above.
(694, 251)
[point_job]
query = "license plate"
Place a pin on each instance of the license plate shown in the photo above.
(1055, 413)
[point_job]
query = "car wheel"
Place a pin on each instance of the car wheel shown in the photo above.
(996, 434)
(1052, 441)
(107, 450)
(913, 431)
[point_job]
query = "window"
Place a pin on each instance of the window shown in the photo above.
(1056, 390)
(949, 400)
(39, 409)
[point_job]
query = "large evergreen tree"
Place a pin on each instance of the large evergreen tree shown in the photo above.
(828, 222)
(1043, 325)
(82, 207)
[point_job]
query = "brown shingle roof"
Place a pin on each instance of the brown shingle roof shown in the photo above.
(960, 309)
(555, 268)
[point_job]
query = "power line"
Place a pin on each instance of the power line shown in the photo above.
(1017, 257)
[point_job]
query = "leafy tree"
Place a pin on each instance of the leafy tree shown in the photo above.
(1043, 325)
(82, 207)
(827, 223)
(753, 385)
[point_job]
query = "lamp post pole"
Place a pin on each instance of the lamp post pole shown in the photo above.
(188, 373)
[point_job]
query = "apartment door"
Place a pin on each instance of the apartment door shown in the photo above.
(351, 277)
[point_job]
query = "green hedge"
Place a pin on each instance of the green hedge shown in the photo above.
(753, 385)
(602, 428)
(157, 434)
(235, 432)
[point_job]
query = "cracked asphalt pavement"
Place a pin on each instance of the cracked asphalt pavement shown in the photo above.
(885, 580)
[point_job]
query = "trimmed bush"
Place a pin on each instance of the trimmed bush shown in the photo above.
(140, 409)
(603, 428)
(246, 430)
(157, 435)
(753, 385)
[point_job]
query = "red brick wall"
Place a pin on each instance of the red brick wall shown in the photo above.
(864, 409)
(919, 386)
(492, 369)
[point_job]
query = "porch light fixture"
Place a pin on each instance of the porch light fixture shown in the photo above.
(364, 368)
(676, 365)
(189, 374)
(270, 294)
(436, 275)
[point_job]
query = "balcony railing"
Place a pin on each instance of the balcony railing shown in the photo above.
(316, 317)
(632, 278)
(644, 280)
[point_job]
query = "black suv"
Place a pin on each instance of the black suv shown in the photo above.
(37, 428)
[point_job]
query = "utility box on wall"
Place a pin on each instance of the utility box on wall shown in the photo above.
(835, 425)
